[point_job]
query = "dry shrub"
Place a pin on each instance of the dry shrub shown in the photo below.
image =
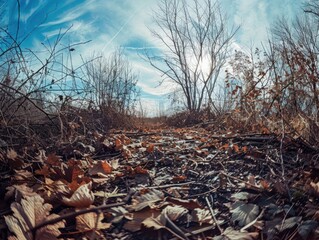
(305, 127)
(188, 118)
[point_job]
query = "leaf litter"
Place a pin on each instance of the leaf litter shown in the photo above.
(188, 183)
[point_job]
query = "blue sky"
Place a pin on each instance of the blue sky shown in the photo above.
(113, 23)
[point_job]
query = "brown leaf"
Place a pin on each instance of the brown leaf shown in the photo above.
(140, 170)
(31, 212)
(81, 198)
(315, 188)
(118, 144)
(154, 228)
(150, 148)
(22, 175)
(19, 191)
(91, 223)
(53, 160)
(202, 216)
(100, 167)
(149, 199)
(138, 217)
(54, 190)
(15, 161)
(231, 234)
(44, 171)
(189, 204)
(11, 154)
(179, 178)
(174, 212)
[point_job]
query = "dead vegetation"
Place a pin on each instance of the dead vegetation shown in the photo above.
(78, 163)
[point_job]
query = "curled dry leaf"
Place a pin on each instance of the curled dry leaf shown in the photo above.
(81, 198)
(91, 223)
(174, 212)
(31, 212)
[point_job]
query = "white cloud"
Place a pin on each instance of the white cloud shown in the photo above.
(26, 15)
(117, 23)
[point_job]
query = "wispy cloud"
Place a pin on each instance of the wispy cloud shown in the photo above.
(113, 23)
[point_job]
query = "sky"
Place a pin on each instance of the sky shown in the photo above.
(110, 24)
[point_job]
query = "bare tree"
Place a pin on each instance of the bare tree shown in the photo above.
(294, 59)
(196, 41)
(112, 82)
(312, 7)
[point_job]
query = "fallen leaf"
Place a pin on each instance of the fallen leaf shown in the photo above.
(174, 212)
(202, 216)
(315, 188)
(288, 223)
(306, 228)
(119, 213)
(53, 160)
(19, 192)
(140, 170)
(22, 175)
(242, 196)
(190, 204)
(231, 234)
(179, 178)
(244, 214)
(138, 217)
(81, 198)
(91, 224)
(150, 148)
(11, 154)
(31, 212)
(100, 167)
(147, 199)
(44, 171)
(154, 228)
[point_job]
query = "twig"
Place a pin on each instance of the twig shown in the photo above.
(282, 157)
(195, 232)
(254, 221)
(171, 225)
(170, 185)
(213, 215)
(247, 183)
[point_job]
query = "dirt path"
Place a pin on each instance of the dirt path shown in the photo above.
(163, 184)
